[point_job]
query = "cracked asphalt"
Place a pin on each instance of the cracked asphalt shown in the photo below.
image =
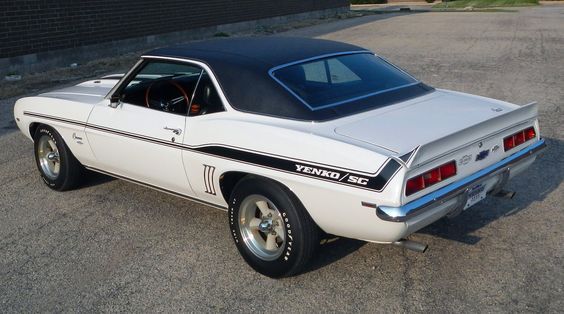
(115, 246)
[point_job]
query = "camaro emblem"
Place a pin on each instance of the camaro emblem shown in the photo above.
(483, 154)
(464, 160)
(495, 148)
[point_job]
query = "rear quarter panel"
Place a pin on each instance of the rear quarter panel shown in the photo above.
(336, 208)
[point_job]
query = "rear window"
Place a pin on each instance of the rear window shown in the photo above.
(335, 81)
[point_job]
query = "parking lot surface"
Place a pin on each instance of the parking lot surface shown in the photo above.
(116, 246)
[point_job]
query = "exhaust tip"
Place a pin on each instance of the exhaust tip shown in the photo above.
(412, 245)
(505, 194)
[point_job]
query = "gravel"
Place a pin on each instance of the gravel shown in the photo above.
(115, 246)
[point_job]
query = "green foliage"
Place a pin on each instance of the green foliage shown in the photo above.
(487, 3)
(368, 1)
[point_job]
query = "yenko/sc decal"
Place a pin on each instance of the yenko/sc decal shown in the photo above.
(318, 172)
(332, 174)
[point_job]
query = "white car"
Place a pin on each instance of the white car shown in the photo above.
(294, 137)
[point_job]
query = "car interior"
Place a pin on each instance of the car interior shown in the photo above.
(189, 93)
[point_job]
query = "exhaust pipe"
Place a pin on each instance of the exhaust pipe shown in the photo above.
(411, 245)
(505, 194)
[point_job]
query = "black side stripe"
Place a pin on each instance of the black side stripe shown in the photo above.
(359, 179)
(376, 183)
(407, 157)
(75, 122)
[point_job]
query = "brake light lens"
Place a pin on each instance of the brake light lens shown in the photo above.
(519, 138)
(530, 133)
(430, 178)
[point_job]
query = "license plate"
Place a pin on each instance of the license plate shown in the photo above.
(475, 194)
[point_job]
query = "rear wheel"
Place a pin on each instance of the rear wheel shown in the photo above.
(272, 230)
(59, 169)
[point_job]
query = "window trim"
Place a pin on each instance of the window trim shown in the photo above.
(146, 58)
(141, 67)
(327, 56)
(194, 92)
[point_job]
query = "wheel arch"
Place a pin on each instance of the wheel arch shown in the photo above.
(228, 180)
(33, 127)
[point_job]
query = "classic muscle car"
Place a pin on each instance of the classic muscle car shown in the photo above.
(295, 138)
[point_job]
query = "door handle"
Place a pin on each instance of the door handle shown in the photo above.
(175, 131)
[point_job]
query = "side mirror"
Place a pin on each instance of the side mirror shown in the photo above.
(115, 101)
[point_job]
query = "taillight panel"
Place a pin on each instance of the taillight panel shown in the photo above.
(430, 178)
(519, 138)
(448, 170)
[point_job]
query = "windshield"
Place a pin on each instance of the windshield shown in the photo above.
(334, 81)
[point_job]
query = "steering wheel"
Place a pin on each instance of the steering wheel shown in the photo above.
(166, 97)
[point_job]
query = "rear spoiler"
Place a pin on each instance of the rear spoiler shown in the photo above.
(428, 152)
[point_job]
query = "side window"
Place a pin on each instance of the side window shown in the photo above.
(164, 86)
(206, 99)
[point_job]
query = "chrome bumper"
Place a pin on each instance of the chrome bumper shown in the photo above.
(459, 188)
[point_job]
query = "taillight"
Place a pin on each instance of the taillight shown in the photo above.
(519, 138)
(430, 177)
(530, 133)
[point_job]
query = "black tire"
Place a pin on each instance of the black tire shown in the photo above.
(70, 169)
(300, 231)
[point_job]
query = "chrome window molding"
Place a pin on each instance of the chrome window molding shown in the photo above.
(202, 65)
(124, 78)
(274, 69)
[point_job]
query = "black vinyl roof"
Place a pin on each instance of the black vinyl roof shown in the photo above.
(242, 67)
(268, 51)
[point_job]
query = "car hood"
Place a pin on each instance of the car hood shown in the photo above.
(403, 127)
(87, 92)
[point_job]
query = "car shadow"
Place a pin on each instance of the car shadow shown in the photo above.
(334, 250)
(533, 185)
(91, 178)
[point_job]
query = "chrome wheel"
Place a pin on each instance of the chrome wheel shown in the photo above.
(48, 156)
(262, 227)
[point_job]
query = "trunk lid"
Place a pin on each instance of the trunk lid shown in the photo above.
(451, 126)
(404, 127)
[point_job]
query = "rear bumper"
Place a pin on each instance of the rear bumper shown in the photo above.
(454, 195)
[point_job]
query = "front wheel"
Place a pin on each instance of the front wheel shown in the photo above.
(271, 229)
(59, 169)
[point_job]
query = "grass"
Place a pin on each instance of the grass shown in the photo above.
(486, 3)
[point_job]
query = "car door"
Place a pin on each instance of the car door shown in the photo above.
(206, 106)
(139, 135)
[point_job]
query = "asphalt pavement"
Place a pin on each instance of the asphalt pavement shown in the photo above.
(116, 246)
